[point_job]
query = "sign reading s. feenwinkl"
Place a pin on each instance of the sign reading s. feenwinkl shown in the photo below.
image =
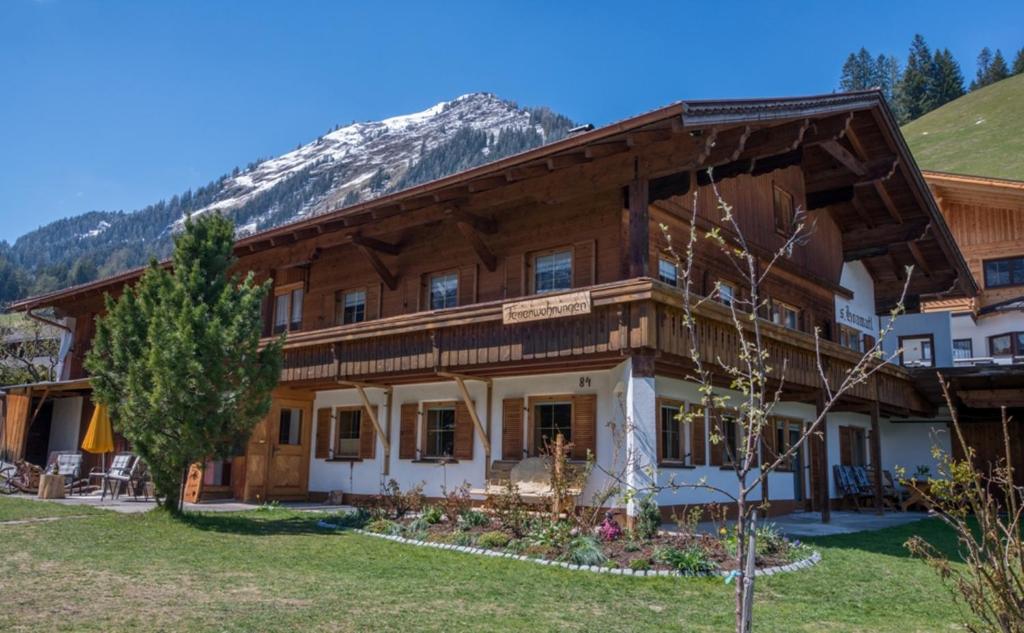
(541, 308)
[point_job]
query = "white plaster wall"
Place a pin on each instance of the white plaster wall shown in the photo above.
(780, 484)
(908, 445)
(859, 312)
(963, 326)
(65, 424)
(366, 477)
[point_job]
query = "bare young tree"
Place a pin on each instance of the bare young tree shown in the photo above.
(749, 371)
(985, 509)
(29, 352)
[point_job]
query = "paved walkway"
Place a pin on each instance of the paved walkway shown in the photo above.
(803, 524)
(129, 505)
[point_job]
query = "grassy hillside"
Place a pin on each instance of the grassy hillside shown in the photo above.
(981, 134)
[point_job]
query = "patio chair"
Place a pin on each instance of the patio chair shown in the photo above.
(846, 485)
(118, 475)
(139, 479)
(70, 466)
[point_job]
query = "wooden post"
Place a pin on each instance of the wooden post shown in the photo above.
(556, 499)
(876, 447)
(637, 227)
(823, 487)
(460, 381)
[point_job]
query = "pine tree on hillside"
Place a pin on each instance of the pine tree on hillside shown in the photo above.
(1018, 63)
(998, 71)
(984, 63)
(916, 86)
(948, 80)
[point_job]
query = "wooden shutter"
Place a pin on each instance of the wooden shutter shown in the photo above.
(373, 295)
(697, 441)
(467, 285)
(512, 428)
(463, 432)
(584, 425)
(768, 440)
(845, 446)
(407, 430)
(16, 425)
(367, 434)
(583, 264)
(323, 433)
(869, 342)
(515, 275)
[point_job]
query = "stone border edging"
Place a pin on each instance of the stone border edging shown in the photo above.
(810, 561)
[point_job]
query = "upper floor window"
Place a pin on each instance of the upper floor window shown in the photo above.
(849, 337)
(350, 307)
(726, 292)
(963, 348)
(1004, 272)
(782, 203)
(552, 271)
(444, 290)
(917, 351)
(785, 315)
(287, 308)
(1009, 344)
(667, 271)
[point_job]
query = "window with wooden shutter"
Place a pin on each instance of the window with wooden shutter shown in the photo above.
(409, 412)
(373, 294)
(584, 425)
(698, 444)
(512, 428)
(769, 443)
(367, 435)
(672, 433)
(323, 433)
(726, 428)
(463, 432)
(584, 264)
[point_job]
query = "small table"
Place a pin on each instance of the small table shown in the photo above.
(918, 494)
(51, 487)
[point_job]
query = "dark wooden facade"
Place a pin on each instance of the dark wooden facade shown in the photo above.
(603, 196)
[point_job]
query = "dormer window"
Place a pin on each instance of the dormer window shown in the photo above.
(782, 202)
(552, 271)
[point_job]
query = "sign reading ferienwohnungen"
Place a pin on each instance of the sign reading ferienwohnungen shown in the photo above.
(541, 308)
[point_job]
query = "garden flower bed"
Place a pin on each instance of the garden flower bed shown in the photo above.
(506, 527)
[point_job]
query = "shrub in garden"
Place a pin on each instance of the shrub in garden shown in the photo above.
(473, 518)
(689, 560)
(462, 538)
(648, 518)
(585, 550)
(493, 540)
(457, 502)
(432, 515)
(355, 519)
(639, 564)
(383, 526)
(509, 508)
(396, 503)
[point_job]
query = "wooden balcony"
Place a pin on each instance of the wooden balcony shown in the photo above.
(640, 316)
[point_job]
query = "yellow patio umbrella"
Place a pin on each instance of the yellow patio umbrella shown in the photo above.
(99, 438)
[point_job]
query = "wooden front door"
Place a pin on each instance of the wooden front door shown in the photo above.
(277, 459)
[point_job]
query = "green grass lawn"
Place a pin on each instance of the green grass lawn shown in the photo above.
(275, 571)
(15, 509)
(981, 133)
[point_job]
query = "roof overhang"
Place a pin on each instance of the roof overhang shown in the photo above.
(857, 165)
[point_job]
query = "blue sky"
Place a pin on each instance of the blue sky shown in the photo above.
(113, 105)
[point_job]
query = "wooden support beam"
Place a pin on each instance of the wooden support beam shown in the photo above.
(844, 157)
(455, 375)
(862, 213)
(378, 245)
(919, 259)
(991, 398)
(42, 401)
(876, 171)
(890, 206)
(606, 149)
(566, 160)
(876, 446)
(483, 253)
(479, 223)
(386, 276)
(460, 381)
(637, 239)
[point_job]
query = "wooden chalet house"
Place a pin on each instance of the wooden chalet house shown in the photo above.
(441, 333)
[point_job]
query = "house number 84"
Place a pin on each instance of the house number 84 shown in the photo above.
(584, 381)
